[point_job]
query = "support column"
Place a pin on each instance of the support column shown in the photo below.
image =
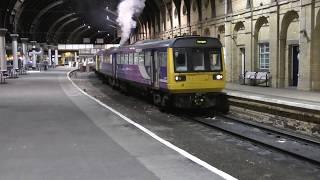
(274, 47)
(3, 59)
(56, 59)
(249, 58)
(34, 56)
(14, 38)
(305, 59)
(228, 51)
(50, 56)
(25, 55)
(41, 53)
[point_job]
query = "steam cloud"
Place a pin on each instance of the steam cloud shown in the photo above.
(127, 9)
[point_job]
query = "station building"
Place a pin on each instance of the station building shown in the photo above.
(278, 36)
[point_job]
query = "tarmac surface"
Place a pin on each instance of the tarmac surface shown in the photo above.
(50, 130)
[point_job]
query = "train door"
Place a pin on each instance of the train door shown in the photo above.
(114, 65)
(155, 70)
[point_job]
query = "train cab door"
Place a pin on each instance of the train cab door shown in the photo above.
(155, 70)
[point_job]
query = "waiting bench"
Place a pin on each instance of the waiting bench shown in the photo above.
(3, 77)
(255, 78)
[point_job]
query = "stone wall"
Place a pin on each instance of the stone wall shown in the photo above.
(244, 26)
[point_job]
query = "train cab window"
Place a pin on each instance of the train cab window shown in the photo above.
(141, 58)
(197, 58)
(131, 58)
(136, 58)
(215, 61)
(180, 60)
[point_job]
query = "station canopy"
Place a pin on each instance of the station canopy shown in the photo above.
(65, 21)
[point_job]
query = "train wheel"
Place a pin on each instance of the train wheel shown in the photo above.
(156, 99)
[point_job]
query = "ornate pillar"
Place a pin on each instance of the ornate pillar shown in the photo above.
(49, 56)
(34, 56)
(56, 60)
(274, 46)
(305, 57)
(14, 38)
(25, 55)
(3, 59)
(228, 51)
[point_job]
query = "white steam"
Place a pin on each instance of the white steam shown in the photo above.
(127, 9)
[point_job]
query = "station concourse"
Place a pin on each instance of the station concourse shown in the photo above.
(72, 105)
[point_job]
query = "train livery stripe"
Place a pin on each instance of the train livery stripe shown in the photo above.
(143, 72)
(156, 137)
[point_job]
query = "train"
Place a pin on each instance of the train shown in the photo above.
(184, 72)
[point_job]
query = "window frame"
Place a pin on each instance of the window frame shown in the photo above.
(264, 56)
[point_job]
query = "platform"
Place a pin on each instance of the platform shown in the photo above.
(50, 130)
(290, 97)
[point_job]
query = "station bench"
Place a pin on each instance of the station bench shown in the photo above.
(3, 77)
(255, 78)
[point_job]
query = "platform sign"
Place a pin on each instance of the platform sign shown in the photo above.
(86, 40)
(100, 41)
(201, 42)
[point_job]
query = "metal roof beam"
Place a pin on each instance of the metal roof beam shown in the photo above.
(51, 28)
(70, 38)
(37, 19)
(59, 30)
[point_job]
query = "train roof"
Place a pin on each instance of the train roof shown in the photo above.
(190, 41)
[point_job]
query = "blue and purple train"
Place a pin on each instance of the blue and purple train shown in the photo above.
(185, 72)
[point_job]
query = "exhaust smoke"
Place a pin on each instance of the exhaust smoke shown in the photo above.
(127, 9)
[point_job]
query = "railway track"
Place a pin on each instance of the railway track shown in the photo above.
(299, 147)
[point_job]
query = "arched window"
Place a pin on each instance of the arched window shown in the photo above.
(184, 10)
(194, 5)
(175, 13)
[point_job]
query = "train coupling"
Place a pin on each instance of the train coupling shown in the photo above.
(199, 99)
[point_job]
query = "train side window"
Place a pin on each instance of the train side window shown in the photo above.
(121, 58)
(141, 58)
(126, 58)
(118, 59)
(106, 59)
(163, 59)
(101, 58)
(180, 59)
(131, 58)
(136, 58)
(110, 60)
(147, 61)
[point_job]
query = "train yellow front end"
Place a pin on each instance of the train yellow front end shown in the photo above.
(197, 76)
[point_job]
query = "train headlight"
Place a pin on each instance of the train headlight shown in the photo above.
(218, 77)
(180, 78)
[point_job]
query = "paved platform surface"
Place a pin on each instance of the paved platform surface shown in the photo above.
(291, 97)
(49, 130)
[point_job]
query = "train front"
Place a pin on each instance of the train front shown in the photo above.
(196, 73)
